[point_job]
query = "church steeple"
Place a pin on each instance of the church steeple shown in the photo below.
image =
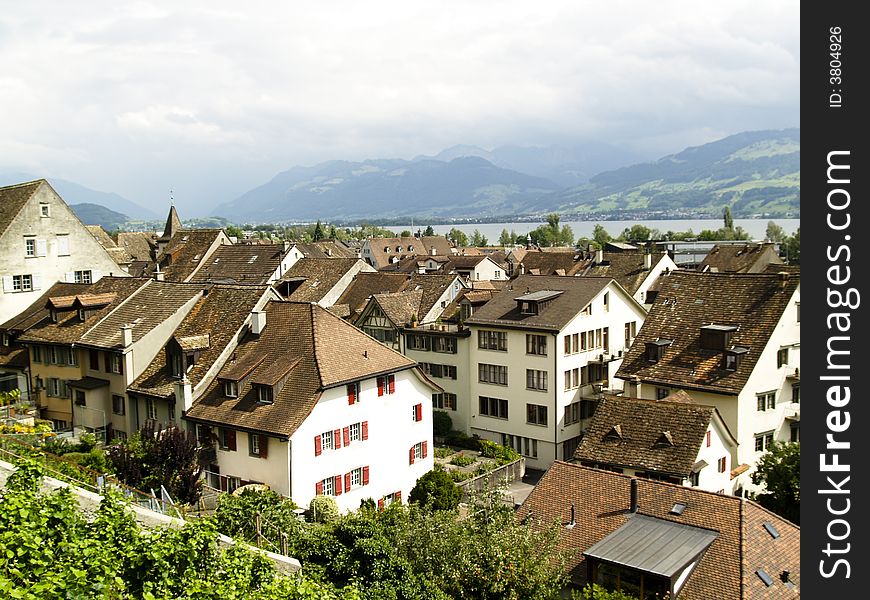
(173, 225)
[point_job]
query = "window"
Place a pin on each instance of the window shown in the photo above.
(116, 364)
(572, 413)
(80, 398)
(492, 340)
(662, 393)
(150, 409)
(356, 478)
(798, 307)
(766, 401)
(523, 445)
(29, 246)
(386, 385)
(417, 413)
(722, 464)
(118, 404)
(119, 435)
(418, 342)
(327, 441)
(171, 410)
(763, 441)
(444, 344)
(606, 301)
(536, 380)
(177, 363)
(231, 389)
(258, 445)
(227, 439)
(495, 374)
(781, 357)
(796, 393)
(444, 400)
(82, 277)
(44, 210)
(265, 394)
(52, 386)
(418, 452)
(326, 487)
(730, 361)
(353, 392)
(22, 283)
(354, 432)
(493, 407)
(94, 358)
(572, 343)
(630, 333)
(536, 414)
(536, 344)
(63, 245)
(36, 354)
(572, 379)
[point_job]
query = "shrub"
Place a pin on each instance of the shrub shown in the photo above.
(460, 440)
(441, 423)
(436, 490)
(442, 452)
(322, 509)
(462, 460)
(502, 454)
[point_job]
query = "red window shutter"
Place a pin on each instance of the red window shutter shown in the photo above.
(392, 380)
(411, 456)
(338, 485)
(346, 435)
(365, 430)
(399, 497)
(318, 488)
(418, 412)
(380, 386)
(230, 437)
(318, 448)
(381, 504)
(336, 435)
(351, 394)
(347, 481)
(365, 475)
(264, 446)
(425, 452)
(708, 439)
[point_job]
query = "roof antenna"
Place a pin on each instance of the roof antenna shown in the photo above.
(171, 199)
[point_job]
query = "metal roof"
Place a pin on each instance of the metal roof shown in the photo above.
(540, 296)
(653, 545)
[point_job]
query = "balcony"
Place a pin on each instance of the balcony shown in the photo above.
(603, 358)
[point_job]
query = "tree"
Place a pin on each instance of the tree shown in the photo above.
(637, 233)
(596, 592)
(774, 232)
(323, 509)
(233, 231)
(779, 470)
(600, 235)
(551, 235)
(428, 231)
(478, 239)
(152, 457)
(793, 248)
(436, 490)
(405, 233)
(318, 232)
(441, 423)
(506, 239)
(458, 237)
(726, 216)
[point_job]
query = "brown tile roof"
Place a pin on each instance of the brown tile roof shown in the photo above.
(13, 198)
(69, 329)
(364, 285)
(100, 234)
(689, 300)
(218, 315)
(318, 276)
(409, 246)
(725, 572)
(433, 287)
(173, 224)
(502, 309)
(642, 444)
(14, 357)
(624, 267)
(464, 261)
(400, 306)
(185, 252)
(241, 263)
(329, 352)
(560, 262)
(139, 244)
(740, 258)
(326, 249)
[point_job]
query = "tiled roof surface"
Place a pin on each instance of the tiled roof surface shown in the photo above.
(365, 285)
(433, 287)
(740, 258)
(14, 357)
(320, 274)
(642, 425)
(173, 224)
(400, 306)
(13, 198)
(185, 252)
(218, 315)
(624, 267)
(138, 244)
(541, 262)
(502, 309)
(241, 263)
(725, 572)
(69, 329)
(326, 249)
(465, 261)
(689, 300)
(329, 351)
(408, 245)
(100, 234)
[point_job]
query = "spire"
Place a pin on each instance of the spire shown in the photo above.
(173, 224)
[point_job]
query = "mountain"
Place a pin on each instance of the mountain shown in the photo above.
(74, 193)
(388, 188)
(565, 165)
(95, 214)
(757, 173)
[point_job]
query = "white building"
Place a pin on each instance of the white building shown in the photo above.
(635, 270)
(310, 405)
(731, 341)
(541, 353)
(42, 241)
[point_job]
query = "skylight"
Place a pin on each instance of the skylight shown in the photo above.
(678, 508)
(762, 574)
(771, 530)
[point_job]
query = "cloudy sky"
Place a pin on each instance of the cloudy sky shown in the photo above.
(210, 99)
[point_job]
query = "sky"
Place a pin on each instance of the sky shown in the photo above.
(206, 100)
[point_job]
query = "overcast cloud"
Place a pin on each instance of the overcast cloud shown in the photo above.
(210, 99)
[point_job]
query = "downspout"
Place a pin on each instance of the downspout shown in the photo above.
(556, 398)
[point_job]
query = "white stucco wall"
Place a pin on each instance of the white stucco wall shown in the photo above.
(460, 417)
(663, 264)
(338, 289)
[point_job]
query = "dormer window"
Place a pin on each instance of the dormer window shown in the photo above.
(533, 303)
(655, 350)
(732, 357)
(716, 337)
(53, 314)
(665, 440)
(231, 389)
(265, 394)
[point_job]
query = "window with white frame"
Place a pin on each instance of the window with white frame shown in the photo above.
(44, 210)
(354, 432)
(22, 283)
(150, 409)
(766, 401)
(327, 441)
(231, 389)
(29, 247)
(116, 363)
(328, 486)
(763, 441)
(418, 451)
(572, 378)
(82, 276)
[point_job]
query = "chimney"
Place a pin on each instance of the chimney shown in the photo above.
(633, 506)
(522, 269)
(599, 256)
(286, 246)
(126, 335)
(783, 279)
(647, 261)
(183, 393)
(258, 321)
(785, 575)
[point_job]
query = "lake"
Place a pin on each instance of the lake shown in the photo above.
(754, 227)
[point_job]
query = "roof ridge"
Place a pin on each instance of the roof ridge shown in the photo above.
(24, 183)
(145, 284)
(743, 552)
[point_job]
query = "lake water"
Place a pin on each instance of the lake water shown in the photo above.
(754, 227)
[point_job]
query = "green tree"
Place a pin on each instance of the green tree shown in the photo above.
(551, 234)
(779, 470)
(441, 422)
(233, 231)
(637, 233)
(506, 239)
(318, 232)
(792, 248)
(774, 232)
(436, 490)
(428, 231)
(727, 218)
(323, 509)
(478, 239)
(596, 592)
(405, 233)
(600, 235)
(458, 237)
